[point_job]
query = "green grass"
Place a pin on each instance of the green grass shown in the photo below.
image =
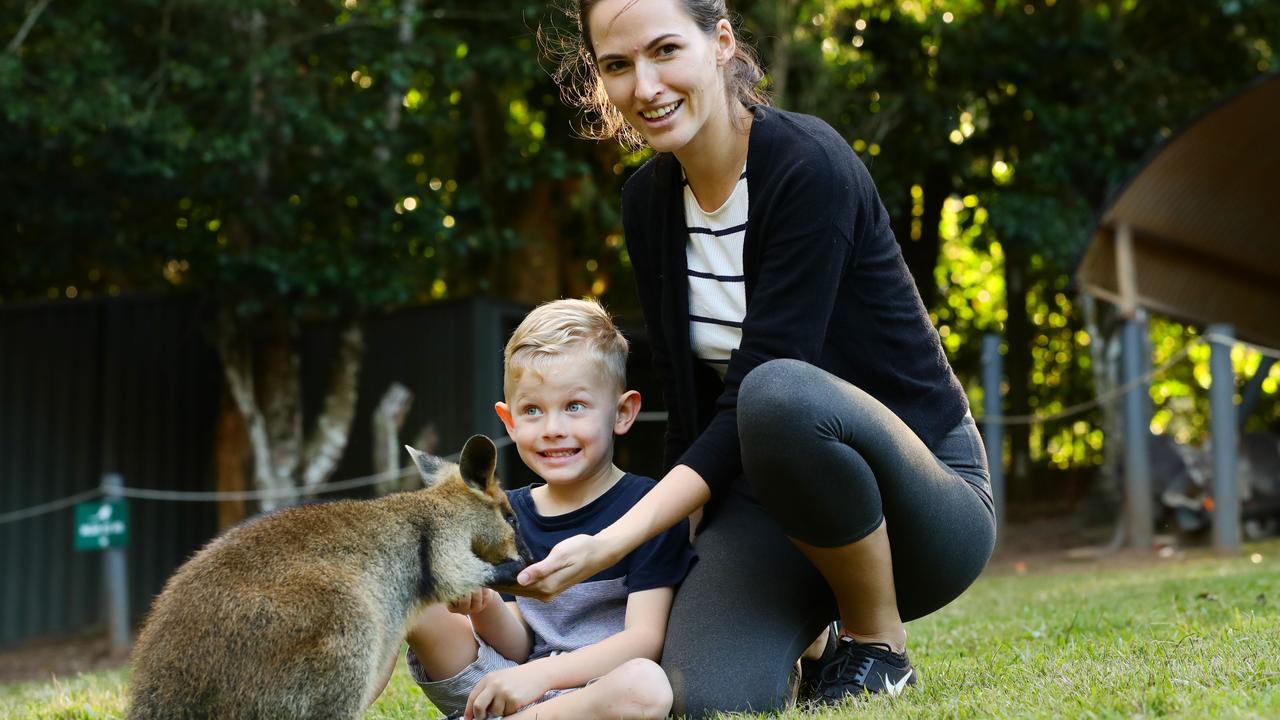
(1191, 638)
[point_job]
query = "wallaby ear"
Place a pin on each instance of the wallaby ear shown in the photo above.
(479, 460)
(428, 465)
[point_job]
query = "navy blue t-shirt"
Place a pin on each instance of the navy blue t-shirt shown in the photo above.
(596, 608)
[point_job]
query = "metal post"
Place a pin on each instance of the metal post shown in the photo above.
(1222, 418)
(1137, 432)
(993, 429)
(116, 579)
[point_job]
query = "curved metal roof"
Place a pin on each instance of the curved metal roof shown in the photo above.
(1204, 217)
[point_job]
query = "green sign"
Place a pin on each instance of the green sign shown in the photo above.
(102, 524)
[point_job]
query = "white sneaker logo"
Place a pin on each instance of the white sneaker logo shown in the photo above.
(893, 689)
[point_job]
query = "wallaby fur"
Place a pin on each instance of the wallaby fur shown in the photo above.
(299, 613)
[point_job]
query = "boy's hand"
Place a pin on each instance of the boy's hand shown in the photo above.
(504, 692)
(474, 603)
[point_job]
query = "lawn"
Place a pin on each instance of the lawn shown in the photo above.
(1184, 637)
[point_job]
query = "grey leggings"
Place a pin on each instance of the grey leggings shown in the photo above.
(825, 463)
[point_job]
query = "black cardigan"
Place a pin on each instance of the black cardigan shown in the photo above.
(825, 283)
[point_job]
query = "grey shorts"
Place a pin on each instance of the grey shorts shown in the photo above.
(450, 695)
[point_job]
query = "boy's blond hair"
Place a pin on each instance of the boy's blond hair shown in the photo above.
(554, 329)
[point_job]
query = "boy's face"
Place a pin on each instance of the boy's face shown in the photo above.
(563, 417)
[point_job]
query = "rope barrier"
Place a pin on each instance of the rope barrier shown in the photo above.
(277, 494)
(359, 482)
(218, 496)
(49, 507)
(1104, 398)
(1121, 390)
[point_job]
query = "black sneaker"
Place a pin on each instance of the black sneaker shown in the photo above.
(858, 668)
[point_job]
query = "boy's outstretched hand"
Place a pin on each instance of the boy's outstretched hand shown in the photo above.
(504, 692)
(571, 561)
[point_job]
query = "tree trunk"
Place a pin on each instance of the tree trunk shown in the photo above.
(280, 394)
(328, 438)
(263, 373)
(257, 30)
(388, 418)
(784, 27)
(237, 356)
(921, 255)
(1018, 332)
(535, 270)
(15, 45)
(395, 93)
(536, 267)
(233, 458)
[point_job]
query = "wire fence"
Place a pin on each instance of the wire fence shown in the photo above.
(368, 480)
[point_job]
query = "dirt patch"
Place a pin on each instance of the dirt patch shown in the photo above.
(1047, 539)
(59, 657)
(1069, 543)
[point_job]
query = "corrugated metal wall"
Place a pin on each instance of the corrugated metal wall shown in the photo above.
(449, 355)
(37, 381)
(85, 388)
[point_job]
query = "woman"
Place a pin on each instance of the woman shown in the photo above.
(812, 410)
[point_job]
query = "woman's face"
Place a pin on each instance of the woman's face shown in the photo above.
(660, 70)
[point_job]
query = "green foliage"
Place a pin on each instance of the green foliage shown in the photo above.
(1068, 95)
(311, 159)
(1180, 395)
(283, 158)
(1031, 114)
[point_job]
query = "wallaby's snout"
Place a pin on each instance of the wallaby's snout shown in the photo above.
(504, 573)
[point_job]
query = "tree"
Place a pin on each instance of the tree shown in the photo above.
(289, 163)
(1032, 113)
(1058, 144)
(294, 162)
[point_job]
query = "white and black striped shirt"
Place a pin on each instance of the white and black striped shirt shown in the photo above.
(717, 292)
(827, 283)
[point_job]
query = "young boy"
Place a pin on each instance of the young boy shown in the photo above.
(592, 651)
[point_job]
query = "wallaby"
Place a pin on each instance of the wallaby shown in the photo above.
(301, 613)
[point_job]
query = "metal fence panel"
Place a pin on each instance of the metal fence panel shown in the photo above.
(86, 388)
(160, 405)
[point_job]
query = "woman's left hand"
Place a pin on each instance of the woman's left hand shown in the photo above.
(570, 562)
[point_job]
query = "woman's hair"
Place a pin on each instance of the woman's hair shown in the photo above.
(556, 329)
(581, 85)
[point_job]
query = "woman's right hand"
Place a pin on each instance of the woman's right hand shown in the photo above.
(571, 561)
(577, 558)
